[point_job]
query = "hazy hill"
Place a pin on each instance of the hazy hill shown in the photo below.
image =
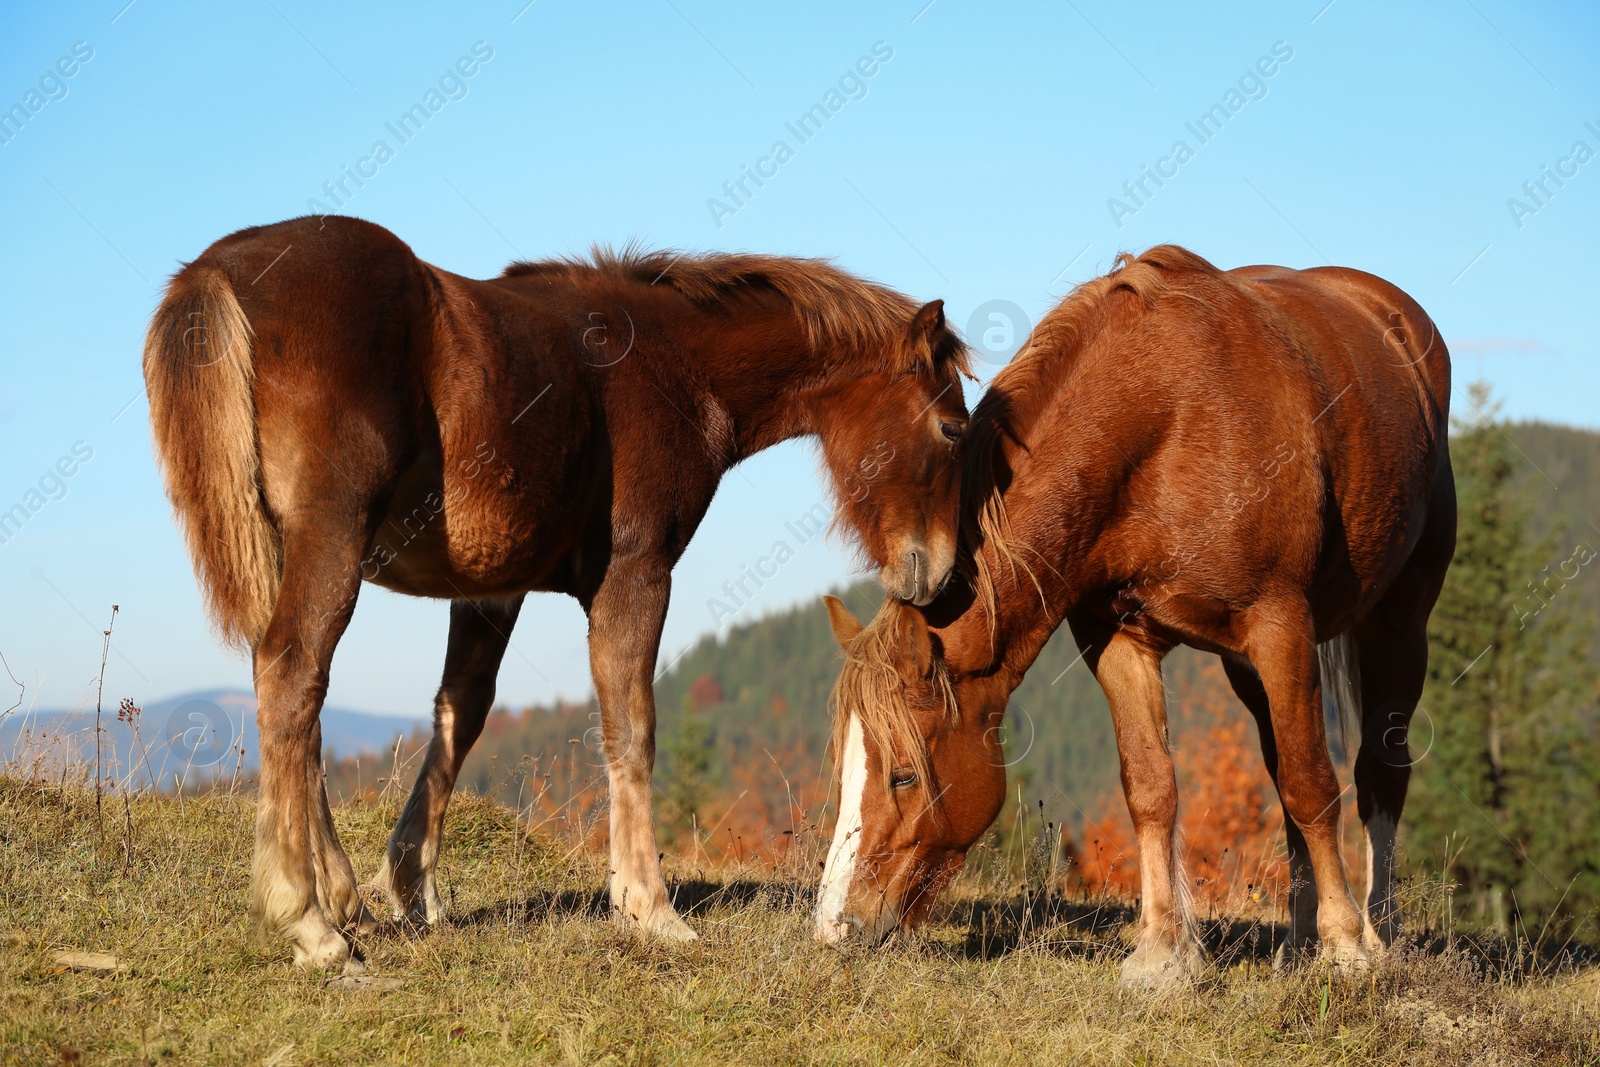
(193, 736)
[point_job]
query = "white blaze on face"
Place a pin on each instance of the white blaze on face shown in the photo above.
(841, 865)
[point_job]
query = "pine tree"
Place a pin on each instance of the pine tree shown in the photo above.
(1503, 794)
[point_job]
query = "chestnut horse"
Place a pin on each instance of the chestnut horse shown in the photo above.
(1251, 462)
(328, 409)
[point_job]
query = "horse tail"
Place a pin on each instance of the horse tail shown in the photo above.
(199, 372)
(1340, 662)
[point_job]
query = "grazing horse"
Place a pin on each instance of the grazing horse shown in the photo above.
(328, 409)
(1251, 462)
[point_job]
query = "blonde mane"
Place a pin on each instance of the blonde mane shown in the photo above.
(870, 687)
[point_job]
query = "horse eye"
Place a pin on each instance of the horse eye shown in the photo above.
(902, 778)
(952, 429)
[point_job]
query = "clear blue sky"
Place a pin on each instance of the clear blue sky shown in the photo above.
(976, 164)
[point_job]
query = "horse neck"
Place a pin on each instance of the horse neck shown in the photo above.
(997, 640)
(1056, 505)
(766, 374)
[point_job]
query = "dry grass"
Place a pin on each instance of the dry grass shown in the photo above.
(531, 971)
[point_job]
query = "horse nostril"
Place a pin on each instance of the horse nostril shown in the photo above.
(916, 567)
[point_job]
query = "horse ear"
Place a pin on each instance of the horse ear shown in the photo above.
(923, 337)
(846, 626)
(916, 639)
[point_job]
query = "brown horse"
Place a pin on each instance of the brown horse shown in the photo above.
(1251, 463)
(330, 409)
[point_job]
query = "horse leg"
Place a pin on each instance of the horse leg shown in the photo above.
(1283, 649)
(336, 882)
(1393, 665)
(304, 888)
(1302, 889)
(625, 619)
(479, 633)
(1392, 646)
(1129, 670)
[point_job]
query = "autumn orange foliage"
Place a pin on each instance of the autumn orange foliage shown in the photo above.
(775, 807)
(705, 691)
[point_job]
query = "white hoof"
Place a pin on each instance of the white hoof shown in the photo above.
(1158, 968)
(659, 922)
(329, 952)
(668, 927)
(416, 904)
(383, 882)
(1376, 943)
(1348, 957)
(365, 924)
(647, 909)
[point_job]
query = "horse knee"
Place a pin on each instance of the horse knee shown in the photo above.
(1311, 798)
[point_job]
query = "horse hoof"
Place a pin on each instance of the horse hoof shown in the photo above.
(668, 927)
(1375, 944)
(363, 923)
(330, 953)
(408, 903)
(1160, 970)
(1349, 959)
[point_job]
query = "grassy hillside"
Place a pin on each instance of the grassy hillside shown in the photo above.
(765, 722)
(529, 971)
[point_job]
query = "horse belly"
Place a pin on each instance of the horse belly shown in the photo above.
(467, 536)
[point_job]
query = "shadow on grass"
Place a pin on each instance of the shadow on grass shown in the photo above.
(691, 897)
(1065, 927)
(1074, 929)
(1105, 928)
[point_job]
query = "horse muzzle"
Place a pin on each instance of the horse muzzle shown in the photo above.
(849, 927)
(916, 577)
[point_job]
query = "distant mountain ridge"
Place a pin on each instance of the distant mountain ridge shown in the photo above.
(194, 736)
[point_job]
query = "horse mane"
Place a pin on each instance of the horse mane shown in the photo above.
(869, 684)
(869, 687)
(837, 309)
(1022, 388)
